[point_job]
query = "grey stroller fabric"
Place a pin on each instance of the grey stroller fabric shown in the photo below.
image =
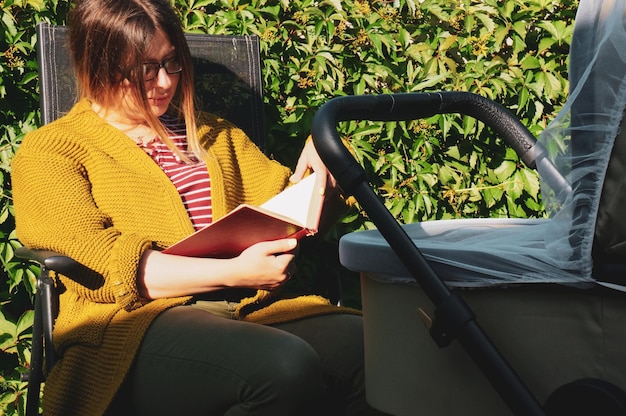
(580, 142)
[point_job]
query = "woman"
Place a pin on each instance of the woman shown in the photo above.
(129, 171)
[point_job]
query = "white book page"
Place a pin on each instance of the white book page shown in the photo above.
(295, 201)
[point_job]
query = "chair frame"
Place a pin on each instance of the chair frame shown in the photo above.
(46, 307)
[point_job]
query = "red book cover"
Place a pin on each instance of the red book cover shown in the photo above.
(294, 213)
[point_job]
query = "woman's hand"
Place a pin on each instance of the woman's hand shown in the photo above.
(266, 265)
(309, 159)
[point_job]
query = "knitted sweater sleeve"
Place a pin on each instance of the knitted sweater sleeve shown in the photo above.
(55, 210)
(83, 190)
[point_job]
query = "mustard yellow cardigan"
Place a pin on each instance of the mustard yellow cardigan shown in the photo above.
(82, 188)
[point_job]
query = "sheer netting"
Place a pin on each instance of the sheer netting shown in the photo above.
(579, 142)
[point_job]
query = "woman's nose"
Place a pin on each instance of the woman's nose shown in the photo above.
(163, 79)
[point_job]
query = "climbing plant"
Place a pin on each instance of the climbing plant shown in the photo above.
(512, 51)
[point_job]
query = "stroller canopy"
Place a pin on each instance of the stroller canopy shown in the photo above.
(580, 143)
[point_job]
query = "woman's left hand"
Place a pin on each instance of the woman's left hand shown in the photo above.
(309, 159)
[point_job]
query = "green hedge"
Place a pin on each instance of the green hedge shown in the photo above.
(512, 51)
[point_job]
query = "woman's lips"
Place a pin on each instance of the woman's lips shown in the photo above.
(159, 100)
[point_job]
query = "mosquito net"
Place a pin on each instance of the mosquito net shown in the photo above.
(579, 142)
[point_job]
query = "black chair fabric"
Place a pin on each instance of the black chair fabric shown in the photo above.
(227, 70)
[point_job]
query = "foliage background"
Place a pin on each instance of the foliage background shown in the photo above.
(512, 51)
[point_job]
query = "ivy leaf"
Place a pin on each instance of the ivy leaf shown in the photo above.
(505, 171)
(487, 21)
(429, 82)
(446, 175)
(530, 62)
(25, 322)
(531, 182)
(335, 3)
(447, 43)
(36, 4)
(7, 332)
(9, 23)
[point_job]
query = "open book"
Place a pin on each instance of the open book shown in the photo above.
(293, 213)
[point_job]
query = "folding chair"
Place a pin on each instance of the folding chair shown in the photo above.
(221, 63)
(548, 291)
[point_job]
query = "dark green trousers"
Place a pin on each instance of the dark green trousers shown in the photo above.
(193, 362)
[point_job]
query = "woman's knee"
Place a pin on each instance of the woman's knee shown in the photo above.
(293, 362)
(228, 367)
(292, 382)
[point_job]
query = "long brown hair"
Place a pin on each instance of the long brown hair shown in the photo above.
(108, 42)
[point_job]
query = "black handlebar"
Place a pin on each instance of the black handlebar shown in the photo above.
(453, 318)
(411, 106)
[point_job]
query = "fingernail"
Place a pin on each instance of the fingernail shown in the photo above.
(293, 243)
(322, 191)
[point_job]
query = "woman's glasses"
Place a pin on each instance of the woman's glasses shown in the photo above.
(151, 69)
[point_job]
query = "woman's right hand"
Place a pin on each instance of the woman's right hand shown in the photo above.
(266, 265)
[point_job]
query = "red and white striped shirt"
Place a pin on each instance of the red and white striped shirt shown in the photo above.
(190, 179)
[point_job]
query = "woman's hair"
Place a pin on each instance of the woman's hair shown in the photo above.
(109, 40)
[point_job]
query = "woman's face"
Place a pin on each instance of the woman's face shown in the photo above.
(161, 73)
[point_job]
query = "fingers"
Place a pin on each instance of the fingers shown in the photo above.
(290, 270)
(310, 160)
(282, 275)
(300, 171)
(329, 181)
(285, 267)
(276, 247)
(269, 264)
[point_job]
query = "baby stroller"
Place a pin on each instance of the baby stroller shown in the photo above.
(547, 291)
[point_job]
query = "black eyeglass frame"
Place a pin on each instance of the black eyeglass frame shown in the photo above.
(156, 67)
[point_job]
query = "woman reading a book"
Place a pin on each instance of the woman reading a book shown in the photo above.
(129, 171)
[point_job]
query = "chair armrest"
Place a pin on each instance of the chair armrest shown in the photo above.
(49, 259)
(46, 305)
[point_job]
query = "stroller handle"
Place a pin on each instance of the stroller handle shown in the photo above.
(453, 317)
(411, 106)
